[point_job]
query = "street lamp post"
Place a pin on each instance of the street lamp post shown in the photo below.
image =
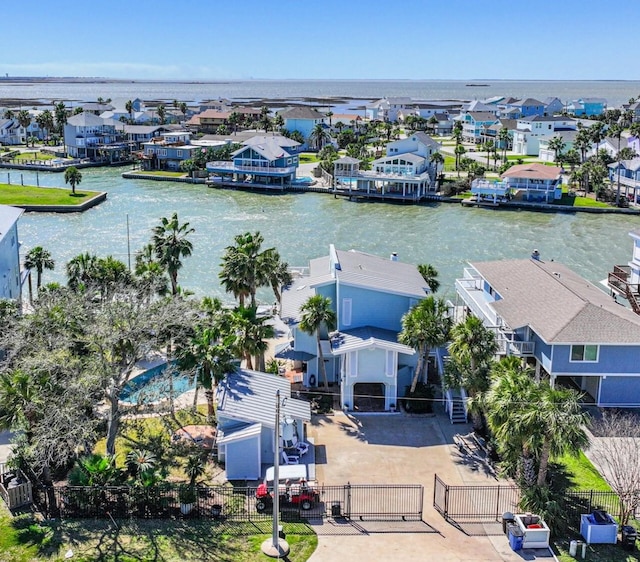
(275, 547)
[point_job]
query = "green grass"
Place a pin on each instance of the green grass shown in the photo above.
(24, 540)
(31, 195)
(581, 474)
(576, 201)
(161, 173)
(308, 158)
(597, 553)
(35, 156)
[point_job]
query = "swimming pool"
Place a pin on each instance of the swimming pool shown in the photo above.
(153, 385)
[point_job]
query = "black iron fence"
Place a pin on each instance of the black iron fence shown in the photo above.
(364, 502)
(480, 504)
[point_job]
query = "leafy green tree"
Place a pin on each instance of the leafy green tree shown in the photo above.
(162, 114)
(73, 177)
(39, 259)
(170, 242)
(425, 327)
(317, 313)
(150, 273)
(45, 122)
(248, 336)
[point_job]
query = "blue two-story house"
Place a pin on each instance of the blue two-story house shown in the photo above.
(264, 161)
(167, 151)
(302, 119)
(88, 136)
(369, 296)
(525, 108)
(568, 329)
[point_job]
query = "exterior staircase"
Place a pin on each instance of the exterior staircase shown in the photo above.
(633, 300)
(458, 414)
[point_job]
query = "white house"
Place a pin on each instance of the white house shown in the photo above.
(10, 279)
(529, 130)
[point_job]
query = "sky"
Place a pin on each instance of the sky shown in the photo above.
(328, 39)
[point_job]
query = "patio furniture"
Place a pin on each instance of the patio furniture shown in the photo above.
(302, 448)
(290, 459)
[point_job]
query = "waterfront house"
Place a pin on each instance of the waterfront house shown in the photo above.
(529, 131)
(475, 125)
(405, 173)
(563, 326)
(264, 161)
(587, 107)
(369, 295)
(167, 151)
(624, 280)
(246, 404)
(10, 132)
(523, 108)
(532, 182)
(137, 135)
(302, 119)
(627, 172)
(633, 109)
(208, 121)
(547, 154)
(10, 278)
(477, 106)
(553, 106)
(387, 109)
(88, 136)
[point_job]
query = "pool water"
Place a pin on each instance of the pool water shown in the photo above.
(154, 385)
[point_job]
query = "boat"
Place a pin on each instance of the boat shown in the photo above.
(477, 85)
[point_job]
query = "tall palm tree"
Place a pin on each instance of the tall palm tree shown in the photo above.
(149, 271)
(81, 270)
(162, 114)
(438, 161)
(170, 242)
(504, 136)
(73, 177)
(557, 145)
(317, 313)
(430, 275)
(319, 136)
(426, 326)
(183, 109)
(45, 122)
(24, 120)
(39, 259)
(248, 336)
(246, 267)
(277, 272)
(459, 152)
(60, 111)
(129, 107)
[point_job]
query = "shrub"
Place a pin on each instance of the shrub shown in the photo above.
(421, 401)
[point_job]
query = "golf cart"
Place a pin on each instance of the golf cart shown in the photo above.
(293, 487)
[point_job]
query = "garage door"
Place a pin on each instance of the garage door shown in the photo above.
(243, 459)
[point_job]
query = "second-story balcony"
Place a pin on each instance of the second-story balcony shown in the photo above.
(226, 167)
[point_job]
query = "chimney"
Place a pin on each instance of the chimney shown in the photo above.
(535, 255)
(394, 256)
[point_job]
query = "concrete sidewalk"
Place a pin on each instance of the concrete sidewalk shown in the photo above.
(398, 449)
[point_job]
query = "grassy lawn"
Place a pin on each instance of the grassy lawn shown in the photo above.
(31, 195)
(35, 156)
(161, 173)
(597, 553)
(577, 201)
(24, 540)
(308, 158)
(581, 474)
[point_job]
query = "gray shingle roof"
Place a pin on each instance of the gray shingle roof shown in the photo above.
(85, 119)
(301, 112)
(558, 304)
(250, 396)
(269, 147)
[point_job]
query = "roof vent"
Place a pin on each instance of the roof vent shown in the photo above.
(394, 256)
(556, 274)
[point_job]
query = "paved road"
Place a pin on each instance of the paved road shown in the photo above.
(398, 449)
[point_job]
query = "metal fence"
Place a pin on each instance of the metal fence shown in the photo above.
(363, 502)
(465, 505)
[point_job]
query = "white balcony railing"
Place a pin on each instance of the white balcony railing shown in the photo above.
(471, 291)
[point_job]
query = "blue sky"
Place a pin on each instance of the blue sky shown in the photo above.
(328, 39)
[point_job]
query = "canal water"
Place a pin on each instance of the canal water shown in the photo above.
(302, 225)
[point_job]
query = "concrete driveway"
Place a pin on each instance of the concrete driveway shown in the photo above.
(398, 449)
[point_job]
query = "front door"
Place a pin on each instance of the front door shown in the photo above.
(368, 397)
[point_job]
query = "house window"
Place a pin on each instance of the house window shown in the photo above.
(179, 153)
(584, 353)
(346, 312)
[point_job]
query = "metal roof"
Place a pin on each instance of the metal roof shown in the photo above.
(367, 337)
(249, 396)
(238, 433)
(558, 304)
(286, 351)
(8, 217)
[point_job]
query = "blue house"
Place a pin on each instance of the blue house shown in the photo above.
(524, 108)
(302, 119)
(587, 106)
(563, 326)
(167, 151)
(246, 421)
(10, 278)
(369, 295)
(264, 161)
(627, 173)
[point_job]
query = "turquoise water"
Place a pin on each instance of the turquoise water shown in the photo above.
(154, 385)
(302, 225)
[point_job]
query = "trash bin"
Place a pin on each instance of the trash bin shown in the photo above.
(516, 538)
(336, 510)
(629, 536)
(507, 519)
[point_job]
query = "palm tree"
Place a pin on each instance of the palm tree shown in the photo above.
(319, 136)
(504, 136)
(170, 242)
(329, 114)
(60, 111)
(129, 107)
(433, 123)
(149, 271)
(279, 122)
(24, 120)
(245, 267)
(39, 259)
(183, 109)
(45, 122)
(73, 177)
(459, 151)
(557, 144)
(597, 134)
(81, 270)
(316, 314)
(426, 326)
(437, 160)
(248, 335)
(430, 275)
(162, 114)
(277, 271)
